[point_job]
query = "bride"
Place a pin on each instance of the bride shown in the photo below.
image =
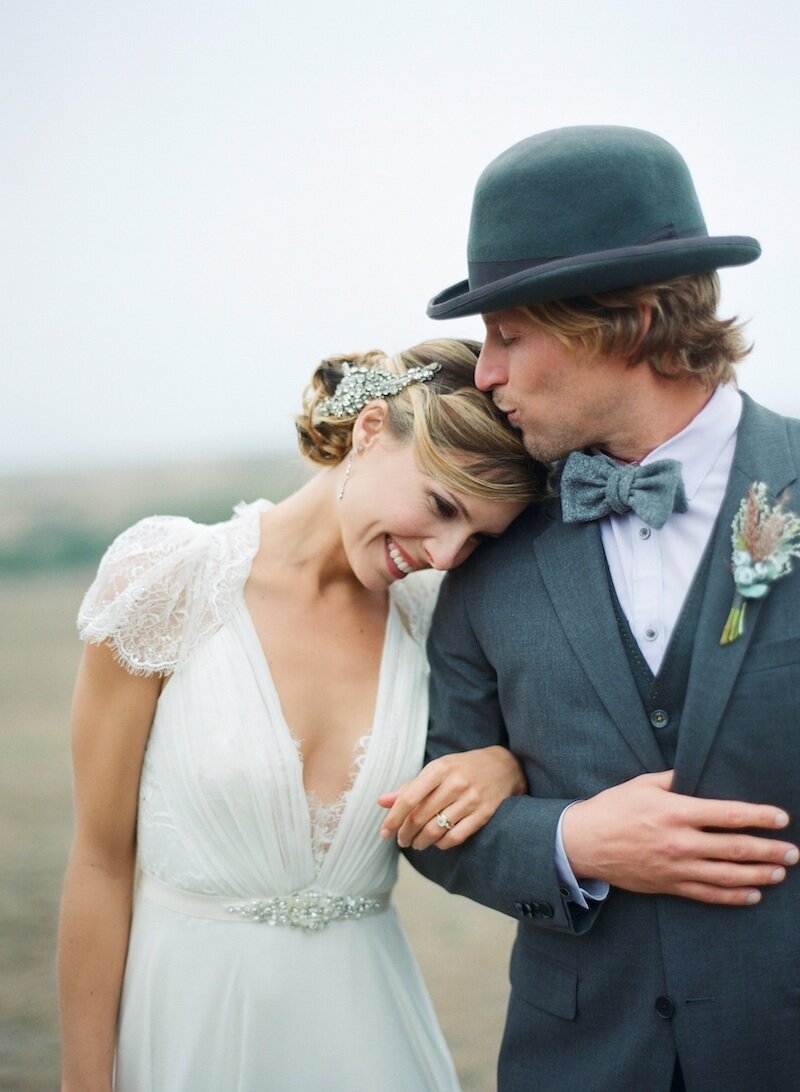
(248, 691)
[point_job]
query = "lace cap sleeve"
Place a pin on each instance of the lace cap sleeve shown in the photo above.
(165, 585)
(415, 598)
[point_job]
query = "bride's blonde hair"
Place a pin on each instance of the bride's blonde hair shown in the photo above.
(459, 435)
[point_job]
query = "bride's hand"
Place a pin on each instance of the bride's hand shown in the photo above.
(462, 790)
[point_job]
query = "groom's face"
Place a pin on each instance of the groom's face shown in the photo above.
(553, 392)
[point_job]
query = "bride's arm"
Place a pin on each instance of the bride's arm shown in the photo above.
(111, 717)
(465, 788)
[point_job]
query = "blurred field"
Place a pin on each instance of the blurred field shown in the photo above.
(463, 949)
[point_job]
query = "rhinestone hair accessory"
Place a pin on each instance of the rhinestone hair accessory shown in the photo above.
(360, 385)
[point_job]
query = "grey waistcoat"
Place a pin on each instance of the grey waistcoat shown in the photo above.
(662, 694)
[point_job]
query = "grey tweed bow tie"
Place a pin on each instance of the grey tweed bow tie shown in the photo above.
(593, 486)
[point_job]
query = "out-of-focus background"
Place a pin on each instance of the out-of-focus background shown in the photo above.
(199, 200)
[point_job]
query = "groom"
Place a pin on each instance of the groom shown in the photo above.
(658, 945)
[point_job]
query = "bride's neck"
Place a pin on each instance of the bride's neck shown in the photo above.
(302, 534)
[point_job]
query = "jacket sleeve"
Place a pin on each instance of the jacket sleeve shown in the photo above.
(510, 864)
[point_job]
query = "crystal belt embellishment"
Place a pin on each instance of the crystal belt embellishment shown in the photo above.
(308, 909)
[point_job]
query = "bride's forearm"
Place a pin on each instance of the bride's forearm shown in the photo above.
(93, 940)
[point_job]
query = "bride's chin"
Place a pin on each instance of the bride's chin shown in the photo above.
(371, 578)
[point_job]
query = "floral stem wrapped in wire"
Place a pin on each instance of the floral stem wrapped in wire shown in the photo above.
(765, 539)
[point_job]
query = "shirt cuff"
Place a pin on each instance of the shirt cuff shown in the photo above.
(577, 891)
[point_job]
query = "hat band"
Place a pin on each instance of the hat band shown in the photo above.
(483, 273)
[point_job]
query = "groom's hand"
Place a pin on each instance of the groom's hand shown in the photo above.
(642, 837)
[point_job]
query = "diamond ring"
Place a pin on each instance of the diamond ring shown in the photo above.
(442, 821)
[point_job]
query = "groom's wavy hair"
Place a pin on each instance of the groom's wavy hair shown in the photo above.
(685, 335)
(459, 436)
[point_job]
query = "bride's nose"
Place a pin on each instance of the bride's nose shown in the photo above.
(446, 551)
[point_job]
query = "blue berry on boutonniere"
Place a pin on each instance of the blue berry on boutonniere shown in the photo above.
(765, 538)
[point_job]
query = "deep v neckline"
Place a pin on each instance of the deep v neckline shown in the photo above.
(272, 689)
(363, 745)
(325, 825)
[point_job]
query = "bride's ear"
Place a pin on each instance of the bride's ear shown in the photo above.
(370, 423)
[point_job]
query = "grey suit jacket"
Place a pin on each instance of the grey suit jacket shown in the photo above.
(525, 651)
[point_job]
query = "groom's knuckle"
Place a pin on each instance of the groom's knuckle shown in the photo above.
(729, 876)
(673, 847)
(734, 817)
(723, 896)
(740, 849)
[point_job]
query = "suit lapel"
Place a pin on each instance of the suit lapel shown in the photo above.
(572, 564)
(762, 453)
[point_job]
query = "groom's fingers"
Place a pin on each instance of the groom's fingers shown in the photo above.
(719, 896)
(729, 874)
(642, 837)
(745, 848)
(733, 814)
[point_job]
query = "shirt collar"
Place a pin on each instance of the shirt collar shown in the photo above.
(698, 446)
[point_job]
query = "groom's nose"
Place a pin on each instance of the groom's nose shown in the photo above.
(489, 370)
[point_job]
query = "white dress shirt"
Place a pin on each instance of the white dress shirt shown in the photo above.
(652, 571)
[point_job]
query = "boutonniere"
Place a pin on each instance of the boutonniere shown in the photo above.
(765, 539)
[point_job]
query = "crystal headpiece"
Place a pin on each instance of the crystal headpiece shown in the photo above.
(360, 385)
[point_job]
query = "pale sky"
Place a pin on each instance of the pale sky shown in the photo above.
(201, 199)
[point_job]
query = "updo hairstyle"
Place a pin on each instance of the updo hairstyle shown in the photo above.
(459, 435)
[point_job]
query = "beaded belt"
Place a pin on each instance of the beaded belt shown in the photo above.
(310, 910)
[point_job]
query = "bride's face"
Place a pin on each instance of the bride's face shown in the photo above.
(396, 519)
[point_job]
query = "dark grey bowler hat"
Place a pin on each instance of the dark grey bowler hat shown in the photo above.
(579, 210)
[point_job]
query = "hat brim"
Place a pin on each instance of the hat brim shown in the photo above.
(603, 271)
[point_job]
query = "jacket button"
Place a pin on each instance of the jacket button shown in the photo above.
(665, 1007)
(659, 718)
(543, 910)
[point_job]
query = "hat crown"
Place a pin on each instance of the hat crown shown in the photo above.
(577, 211)
(581, 190)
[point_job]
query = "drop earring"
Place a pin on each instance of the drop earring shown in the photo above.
(348, 468)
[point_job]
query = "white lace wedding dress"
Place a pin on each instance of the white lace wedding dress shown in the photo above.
(264, 953)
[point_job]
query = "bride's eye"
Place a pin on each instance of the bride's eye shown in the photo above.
(442, 507)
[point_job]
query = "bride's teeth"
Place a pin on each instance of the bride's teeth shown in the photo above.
(399, 561)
